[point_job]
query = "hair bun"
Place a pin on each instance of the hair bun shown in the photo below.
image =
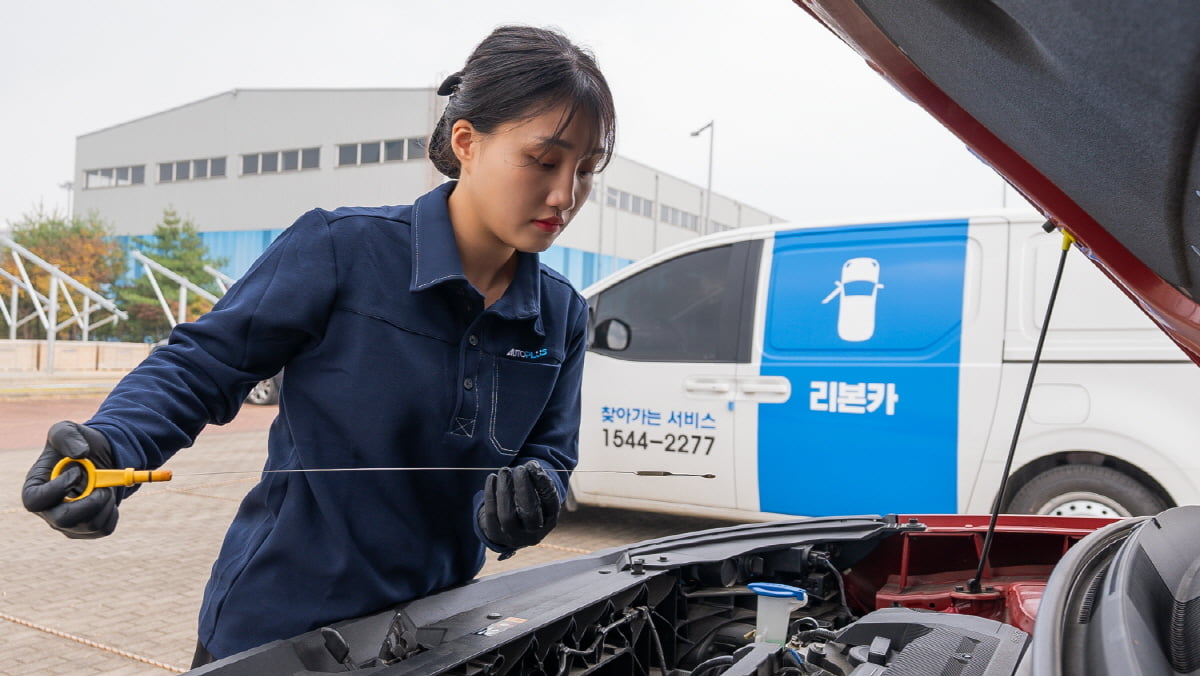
(450, 85)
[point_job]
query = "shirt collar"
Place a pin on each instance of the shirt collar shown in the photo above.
(435, 259)
(523, 299)
(435, 256)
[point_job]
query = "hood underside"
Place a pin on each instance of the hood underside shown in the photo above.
(1089, 107)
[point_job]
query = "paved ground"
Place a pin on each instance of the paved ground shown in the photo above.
(127, 604)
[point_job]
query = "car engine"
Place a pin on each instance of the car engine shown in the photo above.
(881, 597)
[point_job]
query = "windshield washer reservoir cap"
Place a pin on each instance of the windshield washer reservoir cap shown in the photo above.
(778, 591)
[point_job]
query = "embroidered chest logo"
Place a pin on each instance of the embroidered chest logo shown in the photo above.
(523, 354)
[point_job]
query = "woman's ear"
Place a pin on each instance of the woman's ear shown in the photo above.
(463, 138)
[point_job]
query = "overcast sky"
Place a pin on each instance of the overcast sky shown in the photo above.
(804, 129)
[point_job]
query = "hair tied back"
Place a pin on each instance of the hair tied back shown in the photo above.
(450, 84)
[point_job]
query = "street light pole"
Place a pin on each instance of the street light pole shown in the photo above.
(708, 190)
(69, 186)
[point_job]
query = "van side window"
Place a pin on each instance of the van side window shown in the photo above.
(694, 308)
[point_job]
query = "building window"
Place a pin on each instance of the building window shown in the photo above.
(114, 177)
(416, 148)
(188, 170)
(297, 159)
(634, 204)
(393, 151)
(374, 152)
(368, 153)
(679, 217)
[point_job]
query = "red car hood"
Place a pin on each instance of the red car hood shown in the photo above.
(1090, 108)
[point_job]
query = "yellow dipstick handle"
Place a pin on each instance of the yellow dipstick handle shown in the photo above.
(107, 478)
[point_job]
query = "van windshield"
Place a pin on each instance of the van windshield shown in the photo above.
(861, 288)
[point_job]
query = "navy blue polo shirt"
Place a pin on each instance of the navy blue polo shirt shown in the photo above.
(392, 361)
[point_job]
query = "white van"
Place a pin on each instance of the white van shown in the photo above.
(876, 368)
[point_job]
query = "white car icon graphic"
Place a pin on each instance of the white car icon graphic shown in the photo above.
(858, 289)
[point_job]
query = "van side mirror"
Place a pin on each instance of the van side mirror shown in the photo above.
(611, 334)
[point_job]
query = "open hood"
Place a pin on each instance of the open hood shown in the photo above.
(1090, 108)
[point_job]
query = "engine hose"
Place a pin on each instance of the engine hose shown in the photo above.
(714, 665)
(654, 640)
(841, 588)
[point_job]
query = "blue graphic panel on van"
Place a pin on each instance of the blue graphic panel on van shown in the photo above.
(866, 323)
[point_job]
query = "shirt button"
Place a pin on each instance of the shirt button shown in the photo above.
(473, 340)
(468, 383)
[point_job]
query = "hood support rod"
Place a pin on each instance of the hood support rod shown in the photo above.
(975, 585)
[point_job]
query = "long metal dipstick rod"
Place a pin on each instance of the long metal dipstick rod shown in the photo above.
(640, 472)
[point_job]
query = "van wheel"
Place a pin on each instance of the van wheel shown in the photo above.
(1085, 490)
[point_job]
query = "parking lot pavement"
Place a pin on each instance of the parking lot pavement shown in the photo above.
(127, 604)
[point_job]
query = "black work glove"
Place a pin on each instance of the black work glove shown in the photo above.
(92, 517)
(520, 506)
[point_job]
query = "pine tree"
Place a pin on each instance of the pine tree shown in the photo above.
(176, 245)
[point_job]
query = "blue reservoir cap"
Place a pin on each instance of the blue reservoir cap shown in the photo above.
(778, 591)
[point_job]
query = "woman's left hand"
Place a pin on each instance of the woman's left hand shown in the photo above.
(520, 506)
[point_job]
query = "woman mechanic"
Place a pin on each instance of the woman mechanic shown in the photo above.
(426, 335)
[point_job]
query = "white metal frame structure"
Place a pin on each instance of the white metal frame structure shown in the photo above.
(223, 280)
(150, 266)
(46, 305)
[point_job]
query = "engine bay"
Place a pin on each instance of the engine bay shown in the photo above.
(882, 596)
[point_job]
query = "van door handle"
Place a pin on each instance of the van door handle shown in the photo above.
(767, 389)
(707, 385)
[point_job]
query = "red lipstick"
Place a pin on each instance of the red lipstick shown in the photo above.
(550, 225)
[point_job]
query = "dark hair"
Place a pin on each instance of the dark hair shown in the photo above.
(516, 73)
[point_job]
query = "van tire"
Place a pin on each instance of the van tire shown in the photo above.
(1085, 490)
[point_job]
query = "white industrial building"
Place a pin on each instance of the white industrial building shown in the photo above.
(244, 164)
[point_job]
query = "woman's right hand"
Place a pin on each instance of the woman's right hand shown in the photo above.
(90, 517)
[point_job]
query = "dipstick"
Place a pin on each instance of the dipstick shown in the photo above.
(639, 472)
(107, 478)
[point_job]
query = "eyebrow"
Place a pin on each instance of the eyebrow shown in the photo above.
(564, 144)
